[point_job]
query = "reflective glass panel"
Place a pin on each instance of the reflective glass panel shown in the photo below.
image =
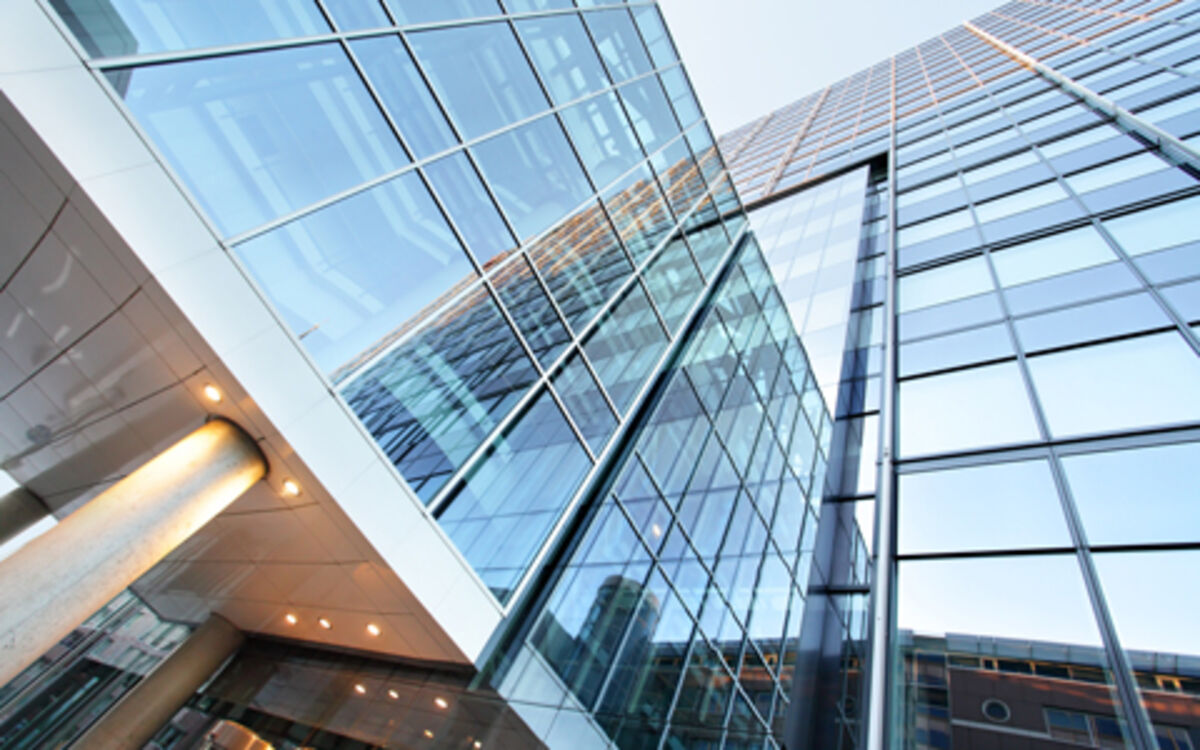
(1050, 256)
(639, 212)
(228, 125)
(534, 173)
(674, 282)
(1158, 227)
(481, 74)
(654, 33)
(357, 14)
(1137, 496)
(532, 311)
(1148, 380)
(112, 28)
(625, 347)
(461, 192)
(618, 42)
(431, 401)
(649, 112)
(585, 403)
(603, 137)
(952, 281)
(966, 409)
(1134, 585)
(404, 94)
(424, 11)
(990, 507)
(349, 276)
(564, 56)
(493, 518)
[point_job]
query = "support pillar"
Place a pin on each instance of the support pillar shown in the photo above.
(59, 579)
(19, 510)
(141, 712)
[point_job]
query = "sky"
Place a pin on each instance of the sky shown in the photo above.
(749, 57)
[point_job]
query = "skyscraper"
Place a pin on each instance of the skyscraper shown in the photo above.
(519, 443)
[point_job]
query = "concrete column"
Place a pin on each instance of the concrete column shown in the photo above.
(152, 702)
(19, 510)
(59, 579)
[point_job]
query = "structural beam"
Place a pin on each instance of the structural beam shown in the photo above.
(59, 579)
(19, 510)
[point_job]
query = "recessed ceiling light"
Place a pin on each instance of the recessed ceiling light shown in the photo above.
(477, 745)
(372, 629)
(655, 530)
(393, 694)
(212, 393)
(325, 623)
(429, 733)
(440, 702)
(290, 618)
(360, 689)
(290, 488)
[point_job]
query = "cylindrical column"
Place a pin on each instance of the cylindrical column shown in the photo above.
(57, 580)
(152, 702)
(19, 510)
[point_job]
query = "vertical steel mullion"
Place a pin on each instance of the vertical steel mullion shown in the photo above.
(883, 599)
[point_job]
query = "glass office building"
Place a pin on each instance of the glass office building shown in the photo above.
(873, 427)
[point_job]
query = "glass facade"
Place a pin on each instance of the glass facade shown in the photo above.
(896, 454)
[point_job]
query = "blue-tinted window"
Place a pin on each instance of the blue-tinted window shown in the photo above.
(625, 347)
(347, 276)
(260, 135)
(424, 11)
(357, 14)
(674, 282)
(967, 409)
(639, 212)
(649, 112)
(404, 94)
(432, 400)
(493, 518)
(534, 173)
(620, 46)
(603, 137)
(463, 195)
(564, 56)
(585, 403)
(529, 306)
(111, 28)
(654, 33)
(481, 75)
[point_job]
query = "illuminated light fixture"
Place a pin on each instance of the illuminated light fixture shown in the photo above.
(373, 629)
(325, 623)
(360, 689)
(393, 694)
(440, 702)
(212, 393)
(656, 530)
(290, 618)
(290, 488)
(428, 733)
(477, 745)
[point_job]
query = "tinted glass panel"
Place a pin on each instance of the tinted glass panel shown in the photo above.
(463, 195)
(603, 137)
(111, 28)
(228, 126)
(408, 101)
(619, 44)
(422, 11)
(481, 74)
(349, 276)
(564, 56)
(586, 405)
(357, 14)
(625, 347)
(968, 409)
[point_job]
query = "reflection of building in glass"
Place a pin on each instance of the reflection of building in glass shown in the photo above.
(531, 435)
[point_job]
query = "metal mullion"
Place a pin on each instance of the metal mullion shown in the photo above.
(883, 600)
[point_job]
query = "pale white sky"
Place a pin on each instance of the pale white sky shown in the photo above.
(749, 57)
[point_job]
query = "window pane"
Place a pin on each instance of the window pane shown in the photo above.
(674, 282)
(962, 410)
(1019, 202)
(976, 345)
(938, 227)
(1139, 382)
(625, 347)
(493, 518)
(1141, 495)
(1158, 227)
(1136, 583)
(228, 126)
(535, 175)
(655, 35)
(1115, 172)
(422, 11)
(993, 507)
(564, 56)
(602, 137)
(481, 75)
(1050, 256)
(952, 281)
(649, 112)
(639, 212)
(458, 186)
(586, 404)
(432, 400)
(407, 98)
(348, 276)
(357, 14)
(111, 28)
(529, 306)
(619, 43)
(1123, 315)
